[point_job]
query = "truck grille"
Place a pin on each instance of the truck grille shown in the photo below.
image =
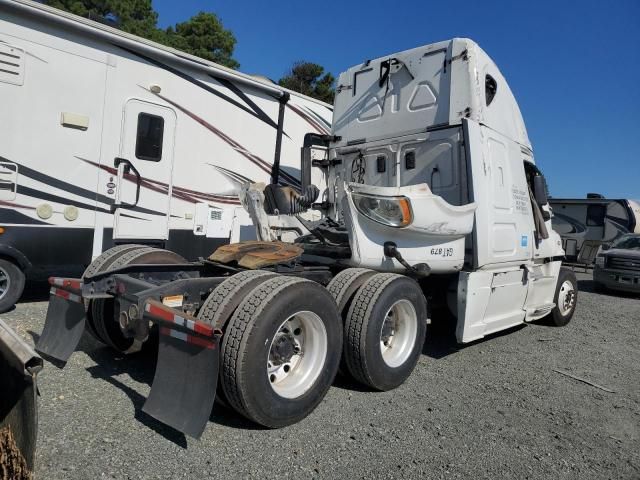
(622, 263)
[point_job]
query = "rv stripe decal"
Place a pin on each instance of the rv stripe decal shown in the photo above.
(319, 117)
(259, 162)
(68, 188)
(311, 121)
(11, 216)
(33, 193)
(181, 193)
(230, 173)
(259, 112)
(264, 118)
(57, 183)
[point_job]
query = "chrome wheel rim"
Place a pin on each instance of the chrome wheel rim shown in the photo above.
(566, 298)
(5, 283)
(398, 333)
(297, 354)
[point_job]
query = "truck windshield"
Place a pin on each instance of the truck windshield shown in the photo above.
(631, 242)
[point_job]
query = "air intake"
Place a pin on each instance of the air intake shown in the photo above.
(11, 64)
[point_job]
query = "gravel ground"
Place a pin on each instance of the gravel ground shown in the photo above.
(492, 409)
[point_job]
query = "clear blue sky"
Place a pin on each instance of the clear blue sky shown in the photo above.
(574, 66)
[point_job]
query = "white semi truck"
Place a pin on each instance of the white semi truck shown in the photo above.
(428, 192)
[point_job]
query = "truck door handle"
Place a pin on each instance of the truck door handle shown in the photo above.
(128, 167)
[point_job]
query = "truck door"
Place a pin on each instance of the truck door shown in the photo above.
(144, 178)
(495, 292)
(503, 231)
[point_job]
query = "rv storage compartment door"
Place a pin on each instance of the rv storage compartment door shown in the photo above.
(147, 142)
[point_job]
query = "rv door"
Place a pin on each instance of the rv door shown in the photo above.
(144, 179)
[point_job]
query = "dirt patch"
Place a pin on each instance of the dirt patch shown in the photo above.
(12, 464)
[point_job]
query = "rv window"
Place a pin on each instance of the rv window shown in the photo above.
(149, 137)
(595, 215)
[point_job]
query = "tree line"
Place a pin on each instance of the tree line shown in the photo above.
(202, 35)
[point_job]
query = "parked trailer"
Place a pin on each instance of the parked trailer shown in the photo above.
(595, 219)
(429, 193)
(108, 139)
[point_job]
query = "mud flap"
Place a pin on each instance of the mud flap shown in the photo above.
(186, 377)
(64, 325)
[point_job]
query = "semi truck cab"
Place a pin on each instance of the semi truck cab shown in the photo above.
(430, 152)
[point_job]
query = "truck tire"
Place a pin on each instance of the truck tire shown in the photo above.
(345, 284)
(100, 264)
(223, 301)
(280, 351)
(225, 298)
(342, 288)
(565, 298)
(385, 331)
(103, 311)
(12, 281)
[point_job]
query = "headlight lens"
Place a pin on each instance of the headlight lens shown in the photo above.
(390, 211)
(600, 261)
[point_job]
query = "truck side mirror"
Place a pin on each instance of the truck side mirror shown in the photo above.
(605, 246)
(540, 190)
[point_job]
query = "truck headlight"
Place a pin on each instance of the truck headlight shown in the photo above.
(600, 261)
(390, 211)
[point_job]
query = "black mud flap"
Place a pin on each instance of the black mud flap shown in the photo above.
(64, 325)
(186, 377)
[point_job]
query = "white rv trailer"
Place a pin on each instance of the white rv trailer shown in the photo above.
(593, 218)
(77, 94)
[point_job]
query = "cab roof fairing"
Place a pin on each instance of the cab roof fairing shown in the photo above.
(503, 114)
(462, 95)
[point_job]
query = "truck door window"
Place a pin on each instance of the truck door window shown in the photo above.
(149, 137)
(595, 215)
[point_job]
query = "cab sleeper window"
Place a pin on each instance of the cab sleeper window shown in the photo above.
(149, 137)
(490, 89)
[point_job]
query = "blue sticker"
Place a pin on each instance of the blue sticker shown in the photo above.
(524, 240)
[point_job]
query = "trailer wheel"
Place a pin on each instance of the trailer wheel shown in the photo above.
(565, 298)
(281, 350)
(225, 298)
(345, 284)
(100, 264)
(385, 331)
(12, 280)
(103, 311)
